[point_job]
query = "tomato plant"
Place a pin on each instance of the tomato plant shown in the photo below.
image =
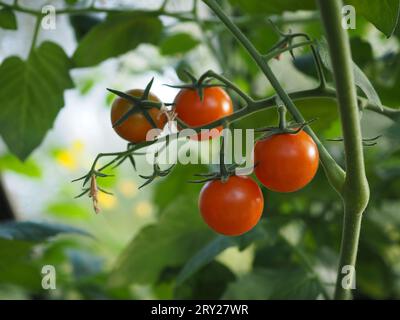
(232, 207)
(286, 162)
(244, 60)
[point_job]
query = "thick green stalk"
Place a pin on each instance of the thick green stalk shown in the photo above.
(356, 190)
(334, 172)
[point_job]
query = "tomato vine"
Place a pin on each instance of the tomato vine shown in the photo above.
(351, 183)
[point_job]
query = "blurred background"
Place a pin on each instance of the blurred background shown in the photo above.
(151, 243)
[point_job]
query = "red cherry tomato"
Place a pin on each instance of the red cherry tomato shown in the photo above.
(215, 105)
(232, 207)
(286, 162)
(135, 128)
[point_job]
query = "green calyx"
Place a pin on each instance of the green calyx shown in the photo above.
(283, 127)
(157, 173)
(196, 84)
(225, 171)
(223, 175)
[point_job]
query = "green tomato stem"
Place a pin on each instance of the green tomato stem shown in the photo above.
(334, 172)
(355, 192)
(35, 33)
(282, 117)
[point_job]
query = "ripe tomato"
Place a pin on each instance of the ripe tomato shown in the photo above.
(232, 207)
(215, 105)
(286, 162)
(135, 128)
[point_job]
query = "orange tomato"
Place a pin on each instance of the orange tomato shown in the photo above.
(232, 207)
(216, 104)
(286, 162)
(135, 128)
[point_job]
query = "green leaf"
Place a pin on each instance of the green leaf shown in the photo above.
(210, 283)
(71, 2)
(262, 42)
(8, 19)
(273, 6)
(17, 240)
(35, 231)
(214, 248)
(365, 85)
(181, 68)
(28, 168)
(83, 23)
(31, 95)
(361, 50)
(305, 63)
(118, 34)
(109, 99)
(109, 181)
(16, 266)
(383, 14)
(84, 264)
(86, 86)
(178, 43)
(360, 79)
(176, 183)
(168, 243)
(205, 256)
(274, 284)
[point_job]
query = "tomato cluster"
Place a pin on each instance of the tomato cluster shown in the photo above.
(230, 205)
(214, 104)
